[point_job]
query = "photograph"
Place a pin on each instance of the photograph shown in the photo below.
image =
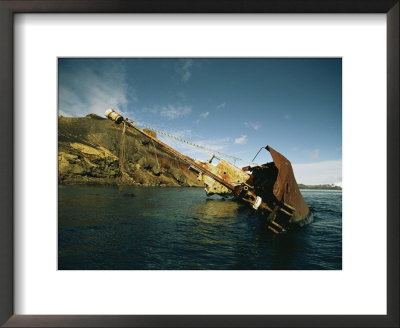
(199, 163)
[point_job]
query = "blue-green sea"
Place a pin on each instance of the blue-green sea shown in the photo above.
(153, 228)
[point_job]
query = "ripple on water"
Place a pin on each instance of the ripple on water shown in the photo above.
(180, 228)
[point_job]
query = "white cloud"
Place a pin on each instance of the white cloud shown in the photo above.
(205, 114)
(89, 91)
(181, 133)
(61, 112)
(326, 172)
(220, 106)
(287, 117)
(187, 63)
(241, 140)
(171, 111)
(181, 95)
(198, 153)
(251, 125)
(313, 155)
(216, 144)
(184, 69)
(186, 76)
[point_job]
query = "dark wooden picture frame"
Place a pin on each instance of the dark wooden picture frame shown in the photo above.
(10, 7)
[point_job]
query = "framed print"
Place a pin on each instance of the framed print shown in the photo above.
(78, 255)
(205, 230)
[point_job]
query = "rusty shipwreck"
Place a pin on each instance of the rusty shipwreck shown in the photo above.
(270, 189)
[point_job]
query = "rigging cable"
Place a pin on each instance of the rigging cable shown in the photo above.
(192, 143)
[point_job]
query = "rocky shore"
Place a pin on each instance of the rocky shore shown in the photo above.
(91, 151)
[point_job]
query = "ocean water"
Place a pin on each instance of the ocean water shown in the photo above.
(151, 228)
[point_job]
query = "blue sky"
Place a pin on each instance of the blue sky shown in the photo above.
(233, 105)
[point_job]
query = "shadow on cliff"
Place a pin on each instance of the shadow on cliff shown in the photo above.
(90, 150)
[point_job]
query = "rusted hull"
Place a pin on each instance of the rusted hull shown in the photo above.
(276, 183)
(271, 189)
(286, 189)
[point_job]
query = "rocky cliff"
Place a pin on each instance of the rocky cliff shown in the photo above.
(94, 150)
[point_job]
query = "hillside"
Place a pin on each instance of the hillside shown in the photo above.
(90, 151)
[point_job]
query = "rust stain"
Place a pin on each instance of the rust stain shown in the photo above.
(228, 172)
(285, 188)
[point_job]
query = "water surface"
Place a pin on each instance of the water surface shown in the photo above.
(136, 228)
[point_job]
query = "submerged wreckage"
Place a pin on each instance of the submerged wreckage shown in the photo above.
(270, 189)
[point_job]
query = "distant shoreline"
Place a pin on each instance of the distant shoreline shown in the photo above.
(319, 187)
